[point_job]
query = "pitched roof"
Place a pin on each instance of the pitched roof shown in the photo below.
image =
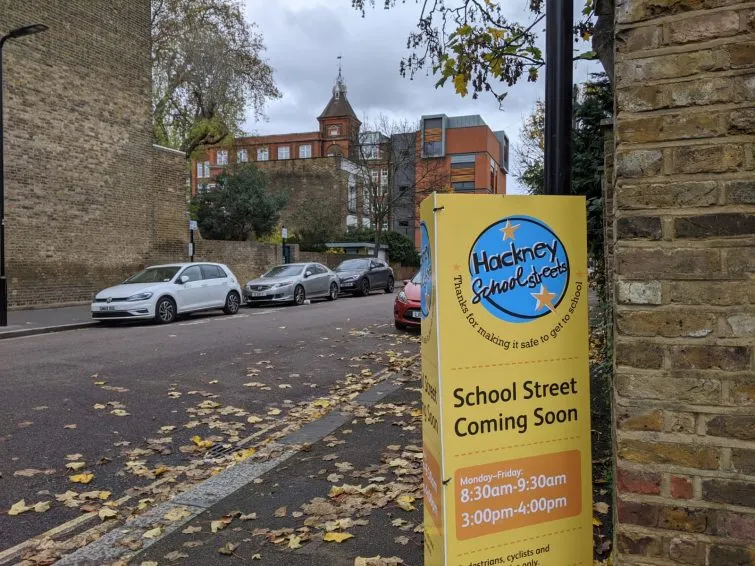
(338, 106)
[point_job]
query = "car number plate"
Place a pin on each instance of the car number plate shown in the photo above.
(107, 308)
(257, 294)
(415, 314)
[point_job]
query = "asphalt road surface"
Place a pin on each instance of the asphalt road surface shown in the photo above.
(102, 392)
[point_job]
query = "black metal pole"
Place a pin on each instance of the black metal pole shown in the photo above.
(559, 18)
(3, 279)
(191, 243)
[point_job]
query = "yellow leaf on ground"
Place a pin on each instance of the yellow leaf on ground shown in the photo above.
(294, 542)
(177, 514)
(336, 537)
(120, 413)
(280, 512)
(41, 507)
(76, 466)
(18, 508)
(228, 548)
(273, 412)
(257, 556)
(148, 563)
(153, 533)
(82, 478)
(216, 526)
(196, 439)
(253, 420)
(106, 513)
(405, 502)
(596, 522)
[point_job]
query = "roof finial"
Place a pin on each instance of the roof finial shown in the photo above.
(340, 86)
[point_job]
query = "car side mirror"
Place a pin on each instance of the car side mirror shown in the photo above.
(183, 279)
(307, 274)
(406, 282)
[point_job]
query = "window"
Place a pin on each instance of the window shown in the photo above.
(465, 186)
(242, 156)
(212, 272)
(334, 130)
(371, 151)
(262, 154)
(375, 176)
(205, 187)
(403, 223)
(352, 196)
(203, 169)
(222, 157)
(193, 273)
(305, 151)
(433, 149)
(464, 160)
(284, 152)
(384, 179)
(433, 123)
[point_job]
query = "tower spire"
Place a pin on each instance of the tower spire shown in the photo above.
(340, 86)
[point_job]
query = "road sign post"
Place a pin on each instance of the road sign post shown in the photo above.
(506, 400)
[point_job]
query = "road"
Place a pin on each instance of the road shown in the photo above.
(112, 396)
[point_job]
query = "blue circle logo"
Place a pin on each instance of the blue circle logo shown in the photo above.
(519, 269)
(426, 270)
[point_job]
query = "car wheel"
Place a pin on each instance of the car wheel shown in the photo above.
(364, 288)
(389, 287)
(165, 311)
(333, 294)
(400, 326)
(299, 296)
(232, 303)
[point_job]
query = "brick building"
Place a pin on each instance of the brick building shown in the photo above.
(680, 196)
(457, 153)
(88, 197)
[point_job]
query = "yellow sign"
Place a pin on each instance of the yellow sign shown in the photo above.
(506, 400)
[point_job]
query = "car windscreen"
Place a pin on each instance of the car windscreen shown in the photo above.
(154, 275)
(284, 271)
(353, 265)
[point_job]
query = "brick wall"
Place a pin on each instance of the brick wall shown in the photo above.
(81, 208)
(685, 302)
(247, 260)
(317, 182)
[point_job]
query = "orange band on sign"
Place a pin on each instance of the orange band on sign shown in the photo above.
(431, 488)
(517, 493)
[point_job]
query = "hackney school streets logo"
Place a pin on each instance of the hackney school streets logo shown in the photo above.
(519, 269)
(426, 271)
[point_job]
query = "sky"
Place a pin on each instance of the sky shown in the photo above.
(305, 37)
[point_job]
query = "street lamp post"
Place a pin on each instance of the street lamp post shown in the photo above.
(284, 235)
(13, 34)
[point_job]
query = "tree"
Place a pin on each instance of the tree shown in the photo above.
(207, 67)
(240, 207)
(593, 103)
(317, 222)
(393, 169)
(472, 42)
(530, 152)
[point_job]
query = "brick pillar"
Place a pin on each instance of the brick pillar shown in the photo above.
(684, 289)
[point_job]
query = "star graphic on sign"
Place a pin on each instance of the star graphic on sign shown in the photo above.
(544, 299)
(508, 230)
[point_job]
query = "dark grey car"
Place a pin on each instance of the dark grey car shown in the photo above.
(360, 276)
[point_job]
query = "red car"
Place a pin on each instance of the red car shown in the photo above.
(407, 310)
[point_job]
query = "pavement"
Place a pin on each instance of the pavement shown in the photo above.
(133, 405)
(28, 322)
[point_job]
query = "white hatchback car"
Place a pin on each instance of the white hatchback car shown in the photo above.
(162, 292)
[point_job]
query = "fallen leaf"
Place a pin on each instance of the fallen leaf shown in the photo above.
(596, 522)
(284, 386)
(601, 507)
(378, 561)
(41, 507)
(76, 466)
(249, 517)
(219, 525)
(82, 478)
(119, 413)
(74, 456)
(149, 563)
(336, 537)
(294, 542)
(31, 472)
(280, 512)
(257, 556)
(405, 502)
(213, 382)
(99, 406)
(191, 530)
(70, 426)
(177, 514)
(18, 508)
(106, 513)
(153, 533)
(196, 439)
(404, 540)
(175, 555)
(274, 412)
(228, 549)
(254, 420)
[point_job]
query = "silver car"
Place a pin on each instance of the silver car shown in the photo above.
(293, 283)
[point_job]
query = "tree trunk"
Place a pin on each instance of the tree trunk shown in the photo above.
(378, 233)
